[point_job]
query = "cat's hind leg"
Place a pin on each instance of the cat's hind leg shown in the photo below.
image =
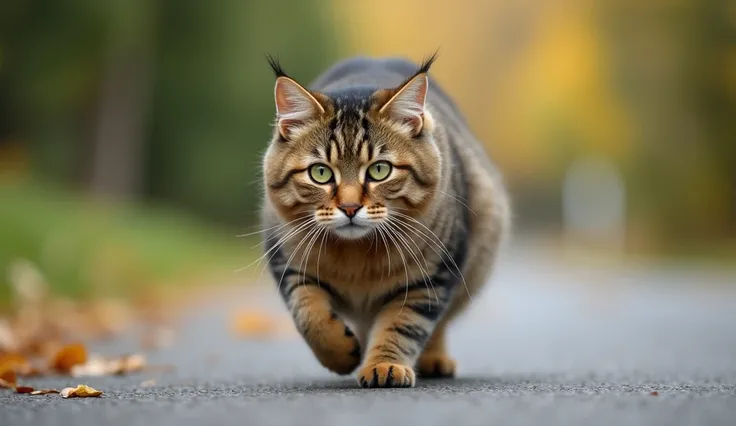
(435, 361)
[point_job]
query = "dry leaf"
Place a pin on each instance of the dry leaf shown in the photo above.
(12, 362)
(44, 391)
(100, 366)
(253, 323)
(8, 376)
(23, 389)
(69, 356)
(148, 383)
(81, 391)
(95, 366)
(654, 393)
(6, 385)
(133, 363)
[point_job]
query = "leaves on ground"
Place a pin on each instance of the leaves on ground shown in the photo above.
(69, 356)
(7, 374)
(254, 323)
(81, 391)
(101, 366)
(44, 391)
(41, 335)
(148, 383)
(23, 389)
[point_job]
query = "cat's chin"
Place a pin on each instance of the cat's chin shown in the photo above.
(352, 231)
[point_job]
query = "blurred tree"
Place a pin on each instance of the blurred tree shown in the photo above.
(51, 52)
(674, 66)
(170, 100)
(213, 95)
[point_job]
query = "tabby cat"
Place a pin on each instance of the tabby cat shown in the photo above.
(382, 217)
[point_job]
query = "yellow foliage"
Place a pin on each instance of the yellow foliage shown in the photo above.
(515, 93)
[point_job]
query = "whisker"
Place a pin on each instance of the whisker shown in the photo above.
(283, 229)
(425, 273)
(406, 269)
(459, 200)
(430, 243)
(303, 227)
(388, 251)
(260, 231)
(276, 246)
(305, 255)
(293, 253)
(442, 246)
(319, 252)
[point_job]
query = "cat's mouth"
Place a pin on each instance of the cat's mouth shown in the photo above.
(352, 231)
(351, 225)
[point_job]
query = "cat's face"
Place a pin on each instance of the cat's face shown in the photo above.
(349, 161)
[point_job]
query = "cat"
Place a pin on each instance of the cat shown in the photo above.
(383, 216)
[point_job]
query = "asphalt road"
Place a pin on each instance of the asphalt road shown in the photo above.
(549, 343)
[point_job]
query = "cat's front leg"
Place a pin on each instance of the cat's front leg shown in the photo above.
(402, 328)
(330, 339)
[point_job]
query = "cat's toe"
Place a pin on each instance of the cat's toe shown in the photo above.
(436, 365)
(386, 375)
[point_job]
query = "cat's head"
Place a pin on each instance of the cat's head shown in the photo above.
(349, 159)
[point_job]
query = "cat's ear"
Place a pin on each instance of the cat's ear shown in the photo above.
(295, 106)
(406, 106)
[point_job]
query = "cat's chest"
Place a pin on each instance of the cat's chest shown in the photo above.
(361, 274)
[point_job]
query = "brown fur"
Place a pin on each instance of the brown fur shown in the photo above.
(442, 204)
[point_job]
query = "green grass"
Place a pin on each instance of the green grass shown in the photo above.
(84, 247)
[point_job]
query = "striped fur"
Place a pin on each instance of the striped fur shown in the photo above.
(378, 297)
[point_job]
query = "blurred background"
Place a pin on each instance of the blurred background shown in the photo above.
(131, 131)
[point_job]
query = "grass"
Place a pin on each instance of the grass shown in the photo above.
(83, 247)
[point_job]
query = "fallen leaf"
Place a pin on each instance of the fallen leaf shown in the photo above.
(100, 366)
(6, 385)
(23, 389)
(8, 376)
(133, 363)
(10, 364)
(654, 393)
(94, 367)
(81, 391)
(257, 324)
(69, 356)
(148, 383)
(44, 391)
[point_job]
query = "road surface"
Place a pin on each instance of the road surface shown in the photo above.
(550, 342)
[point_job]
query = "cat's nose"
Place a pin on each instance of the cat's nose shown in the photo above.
(350, 209)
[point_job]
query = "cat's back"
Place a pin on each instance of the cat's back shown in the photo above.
(376, 73)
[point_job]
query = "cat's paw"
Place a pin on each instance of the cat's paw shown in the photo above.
(436, 365)
(386, 375)
(335, 346)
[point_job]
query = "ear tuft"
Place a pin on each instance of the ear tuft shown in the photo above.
(406, 106)
(295, 106)
(427, 63)
(275, 66)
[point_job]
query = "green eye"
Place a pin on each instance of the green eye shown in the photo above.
(379, 170)
(320, 173)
